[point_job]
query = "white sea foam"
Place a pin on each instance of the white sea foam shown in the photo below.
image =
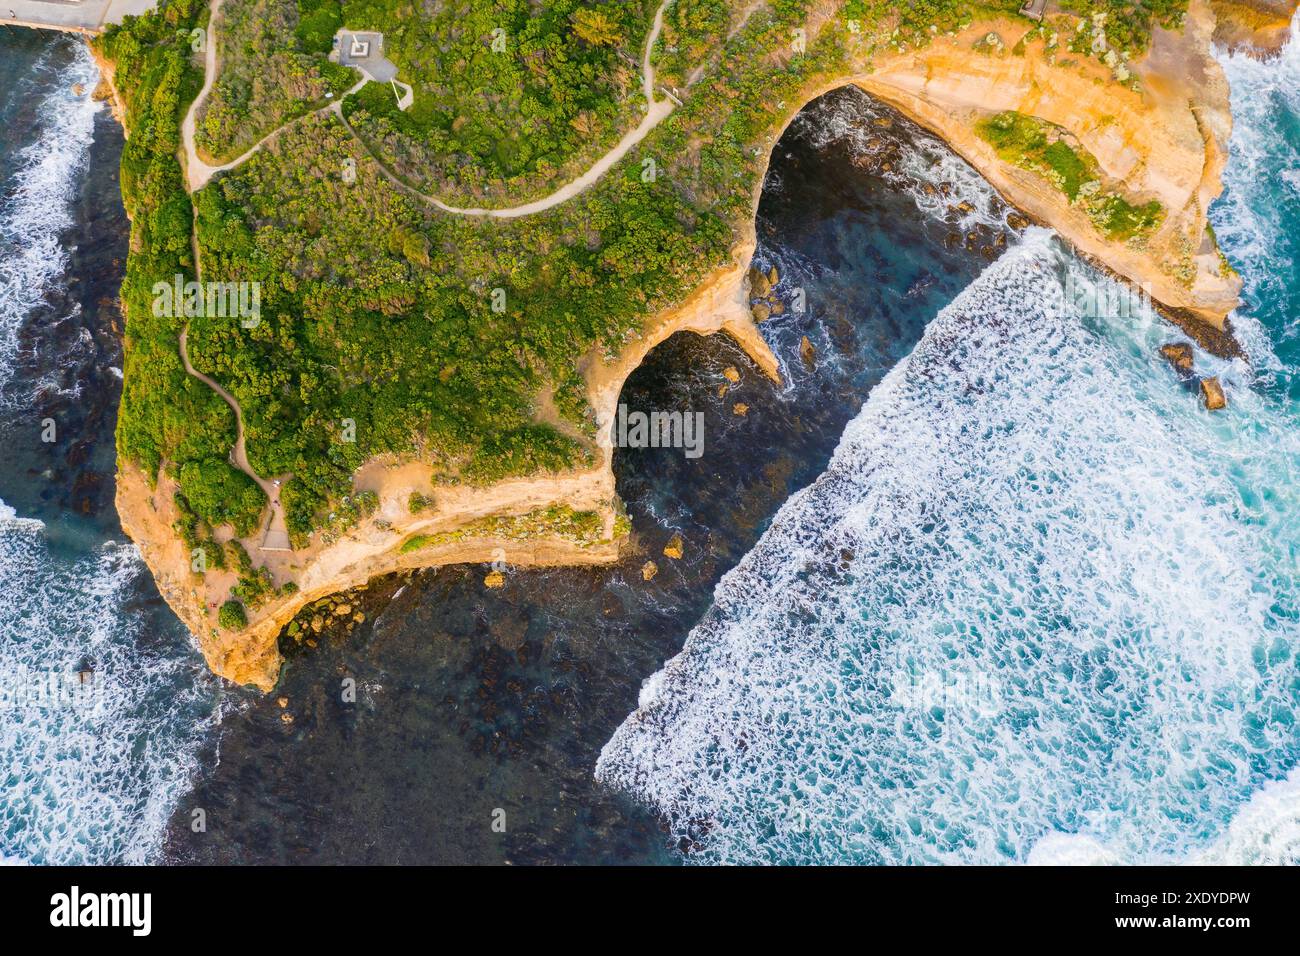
(1254, 220)
(926, 160)
(1038, 595)
(91, 777)
(35, 215)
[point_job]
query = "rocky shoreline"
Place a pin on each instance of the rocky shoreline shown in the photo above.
(1170, 142)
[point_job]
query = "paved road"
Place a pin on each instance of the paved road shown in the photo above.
(86, 16)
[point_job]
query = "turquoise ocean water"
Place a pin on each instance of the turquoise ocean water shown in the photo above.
(1041, 606)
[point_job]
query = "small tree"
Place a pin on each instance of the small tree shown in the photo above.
(232, 616)
(597, 27)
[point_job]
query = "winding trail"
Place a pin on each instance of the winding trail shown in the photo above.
(276, 532)
(199, 173)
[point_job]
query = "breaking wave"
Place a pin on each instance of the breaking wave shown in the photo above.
(100, 719)
(1039, 599)
(37, 208)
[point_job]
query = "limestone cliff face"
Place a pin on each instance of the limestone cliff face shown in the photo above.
(1259, 27)
(1166, 140)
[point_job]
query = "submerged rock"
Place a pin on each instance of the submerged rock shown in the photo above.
(1179, 355)
(807, 352)
(494, 579)
(1212, 393)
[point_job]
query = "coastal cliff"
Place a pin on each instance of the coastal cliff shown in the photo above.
(1163, 138)
(1155, 133)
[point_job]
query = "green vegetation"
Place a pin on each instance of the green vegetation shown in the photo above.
(581, 527)
(511, 97)
(390, 328)
(165, 415)
(1120, 220)
(255, 585)
(1127, 24)
(219, 494)
(273, 68)
(232, 616)
(418, 502)
(1031, 143)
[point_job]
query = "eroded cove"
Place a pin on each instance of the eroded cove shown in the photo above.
(471, 700)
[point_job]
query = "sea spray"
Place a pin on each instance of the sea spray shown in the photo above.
(1096, 575)
(91, 777)
(38, 208)
(104, 700)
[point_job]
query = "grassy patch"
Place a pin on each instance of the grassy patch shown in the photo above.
(1031, 143)
(580, 527)
(1120, 220)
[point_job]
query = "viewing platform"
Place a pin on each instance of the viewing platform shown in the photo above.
(70, 16)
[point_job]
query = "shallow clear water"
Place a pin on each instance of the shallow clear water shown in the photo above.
(1040, 607)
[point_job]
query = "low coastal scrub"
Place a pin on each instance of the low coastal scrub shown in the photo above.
(512, 98)
(1033, 144)
(231, 616)
(273, 68)
(166, 416)
(581, 527)
(1127, 24)
(390, 328)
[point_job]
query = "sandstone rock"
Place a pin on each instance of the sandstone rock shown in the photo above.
(494, 579)
(778, 307)
(740, 408)
(1017, 221)
(759, 284)
(287, 718)
(965, 208)
(761, 311)
(343, 610)
(1179, 355)
(675, 547)
(317, 623)
(649, 570)
(773, 276)
(731, 374)
(283, 702)
(359, 617)
(807, 352)
(1212, 393)
(78, 89)
(722, 390)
